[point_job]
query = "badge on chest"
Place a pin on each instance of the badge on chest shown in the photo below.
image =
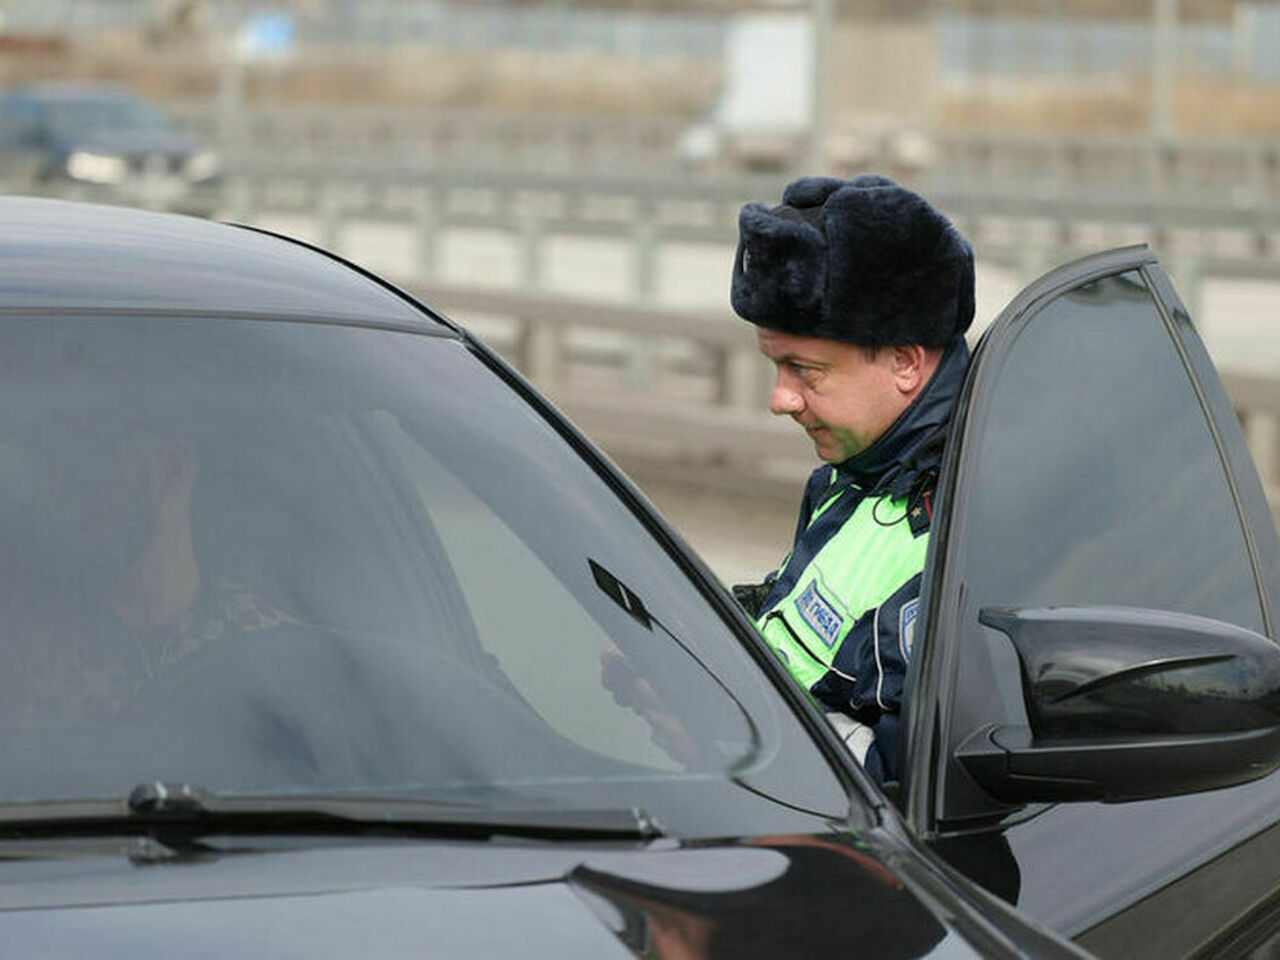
(820, 614)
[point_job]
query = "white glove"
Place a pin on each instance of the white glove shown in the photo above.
(857, 737)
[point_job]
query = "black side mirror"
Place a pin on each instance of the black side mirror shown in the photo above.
(1129, 704)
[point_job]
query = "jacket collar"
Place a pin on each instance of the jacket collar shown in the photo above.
(904, 452)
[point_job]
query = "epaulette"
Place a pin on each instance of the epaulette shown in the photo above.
(920, 512)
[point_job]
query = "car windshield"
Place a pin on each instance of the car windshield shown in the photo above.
(71, 117)
(303, 559)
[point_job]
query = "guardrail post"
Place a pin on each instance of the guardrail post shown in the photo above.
(541, 345)
(644, 236)
(239, 200)
(539, 350)
(426, 223)
(530, 253)
(642, 356)
(740, 383)
(330, 209)
(1188, 273)
(1260, 432)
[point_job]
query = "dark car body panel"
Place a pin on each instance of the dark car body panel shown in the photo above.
(799, 896)
(59, 256)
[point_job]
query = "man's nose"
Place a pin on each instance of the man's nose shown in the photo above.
(784, 400)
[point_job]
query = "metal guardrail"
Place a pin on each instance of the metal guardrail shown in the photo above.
(1028, 231)
(723, 436)
(701, 421)
(1233, 172)
(1168, 203)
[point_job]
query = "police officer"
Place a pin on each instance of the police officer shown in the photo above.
(861, 293)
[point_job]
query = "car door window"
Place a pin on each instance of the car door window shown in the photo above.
(1095, 480)
(1092, 476)
(1100, 489)
(1105, 488)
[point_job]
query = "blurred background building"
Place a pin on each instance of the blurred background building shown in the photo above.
(564, 175)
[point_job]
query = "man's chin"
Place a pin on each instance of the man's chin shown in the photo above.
(825, 447)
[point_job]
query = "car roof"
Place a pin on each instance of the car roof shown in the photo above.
(58, 255)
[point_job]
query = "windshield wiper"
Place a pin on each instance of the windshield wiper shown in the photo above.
(184, 810)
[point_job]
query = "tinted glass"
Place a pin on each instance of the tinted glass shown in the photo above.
(1097, 480)
(295, 558)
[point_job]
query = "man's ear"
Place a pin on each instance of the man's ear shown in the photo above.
(908, 366)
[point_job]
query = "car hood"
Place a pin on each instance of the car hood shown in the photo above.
(798, 896)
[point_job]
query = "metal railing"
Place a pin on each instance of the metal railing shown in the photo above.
(1197, 235)
(1027, 231)
(713, 428)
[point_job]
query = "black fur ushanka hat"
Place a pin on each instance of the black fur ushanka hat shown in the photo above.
(864, 261)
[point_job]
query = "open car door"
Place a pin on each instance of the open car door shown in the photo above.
(1091, 724)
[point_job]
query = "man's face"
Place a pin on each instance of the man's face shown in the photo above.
(844, 399)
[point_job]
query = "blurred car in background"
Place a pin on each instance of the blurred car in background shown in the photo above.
(103, 143)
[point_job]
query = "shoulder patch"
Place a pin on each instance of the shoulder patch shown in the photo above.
(907, 627)
(820, 614)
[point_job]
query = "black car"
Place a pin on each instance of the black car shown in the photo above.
(309, 604)
(103, 143)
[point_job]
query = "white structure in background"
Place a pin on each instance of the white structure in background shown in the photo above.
(765, 107)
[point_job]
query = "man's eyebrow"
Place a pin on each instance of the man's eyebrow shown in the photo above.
(800, 359)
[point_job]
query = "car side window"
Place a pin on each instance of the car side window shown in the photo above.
(1105, 488)
(1095, 481)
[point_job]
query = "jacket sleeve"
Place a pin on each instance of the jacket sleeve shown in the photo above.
(869, 671)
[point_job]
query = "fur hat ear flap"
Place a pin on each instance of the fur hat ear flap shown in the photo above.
(779, 272)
